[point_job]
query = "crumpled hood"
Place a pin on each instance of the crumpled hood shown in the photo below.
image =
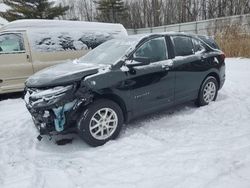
(62, 74)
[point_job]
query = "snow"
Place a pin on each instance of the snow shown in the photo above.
(3, 21)
(67, 39)
(124, 68)
(180, 148)
(30, 24)
(66, 35)
(3, 8)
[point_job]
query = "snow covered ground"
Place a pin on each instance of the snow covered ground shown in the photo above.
(186, 147)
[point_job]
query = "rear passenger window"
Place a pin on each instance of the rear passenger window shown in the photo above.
(198, 46)
(183, 45)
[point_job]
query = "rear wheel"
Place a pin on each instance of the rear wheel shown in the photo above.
(208, 91)
(100, 122)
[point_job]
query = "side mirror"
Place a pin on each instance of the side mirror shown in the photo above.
(138, 61)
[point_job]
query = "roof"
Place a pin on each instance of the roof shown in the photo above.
(39, 23)
(139, 37)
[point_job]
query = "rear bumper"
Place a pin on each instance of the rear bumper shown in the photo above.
(222, 75)
(222, 81)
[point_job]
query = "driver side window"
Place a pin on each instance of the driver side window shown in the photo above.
(11, 43)
(154, 49)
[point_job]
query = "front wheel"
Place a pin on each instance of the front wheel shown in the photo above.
(208, 91)
(100, 122)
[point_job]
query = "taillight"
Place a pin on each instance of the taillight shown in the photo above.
(222, 57)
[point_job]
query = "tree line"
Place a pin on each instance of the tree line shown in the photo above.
(131, 13)
(151, 13)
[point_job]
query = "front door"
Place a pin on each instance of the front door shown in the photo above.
(151, 86)
(15, 66)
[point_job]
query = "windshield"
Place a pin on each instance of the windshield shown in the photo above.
(108, 52)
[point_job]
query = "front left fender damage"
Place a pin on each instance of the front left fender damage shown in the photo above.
(58, 117)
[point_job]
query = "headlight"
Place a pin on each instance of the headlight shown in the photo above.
(53, 92)
(41, 98)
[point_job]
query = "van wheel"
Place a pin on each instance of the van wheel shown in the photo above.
(100, 122)
(208, 91)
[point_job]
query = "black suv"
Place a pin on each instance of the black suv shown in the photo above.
(122, 79)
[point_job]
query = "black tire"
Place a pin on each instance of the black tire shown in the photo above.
(83, 125)
(201, 99)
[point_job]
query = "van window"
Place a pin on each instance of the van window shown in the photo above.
(10, 43)
(68, 40)
(183, 45)
(155, 50)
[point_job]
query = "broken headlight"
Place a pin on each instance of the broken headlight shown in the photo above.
(41, 98)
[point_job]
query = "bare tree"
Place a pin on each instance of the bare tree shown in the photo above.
(149, 13)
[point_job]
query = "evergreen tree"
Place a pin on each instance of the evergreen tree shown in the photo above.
(111, 10)
(32, 9)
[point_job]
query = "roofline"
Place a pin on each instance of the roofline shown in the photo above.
(28, 24)
(166, 34)
(12, 30)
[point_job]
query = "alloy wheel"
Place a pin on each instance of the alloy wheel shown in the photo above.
(209, 92)
(103, 123)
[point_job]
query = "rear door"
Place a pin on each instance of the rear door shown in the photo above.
(190, 65)
(15, 64)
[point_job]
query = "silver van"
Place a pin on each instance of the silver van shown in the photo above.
(27, 46)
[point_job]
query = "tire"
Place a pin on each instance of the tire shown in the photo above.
(208, 91)
(95, 128)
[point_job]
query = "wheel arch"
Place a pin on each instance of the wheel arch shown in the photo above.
(215, 75)
(211, 74)
(118, 100)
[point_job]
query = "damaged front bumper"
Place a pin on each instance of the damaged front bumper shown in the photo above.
(54, 110)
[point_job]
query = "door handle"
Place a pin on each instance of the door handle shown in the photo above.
(203, 58)
(28, 57)
(166, 68)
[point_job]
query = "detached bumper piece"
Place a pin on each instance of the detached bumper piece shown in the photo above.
(60, 118)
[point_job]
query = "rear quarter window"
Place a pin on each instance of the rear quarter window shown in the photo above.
(198, 46)
(183, 45)
(209, 41)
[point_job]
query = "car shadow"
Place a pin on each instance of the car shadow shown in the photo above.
(74, 141)
(11, 96)
(169, 112)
